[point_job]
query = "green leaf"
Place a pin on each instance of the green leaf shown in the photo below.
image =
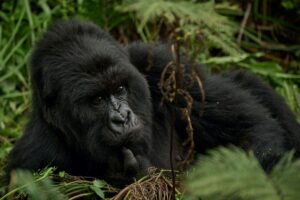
(266, 68)
(62, 174)
(96, 187)
(229, 59)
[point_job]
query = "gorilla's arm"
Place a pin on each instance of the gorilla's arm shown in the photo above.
(39, 147)
(234, 116)
(271, 100)
(42, 146)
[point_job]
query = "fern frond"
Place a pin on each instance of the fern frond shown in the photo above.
(230, 174)
(286, 177)
(216, 28)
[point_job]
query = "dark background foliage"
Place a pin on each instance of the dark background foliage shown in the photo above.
(262, 36)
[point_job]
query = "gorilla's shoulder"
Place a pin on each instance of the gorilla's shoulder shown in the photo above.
(149, 56)
(153, 57)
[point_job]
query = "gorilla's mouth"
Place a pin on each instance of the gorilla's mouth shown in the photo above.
(125, 127)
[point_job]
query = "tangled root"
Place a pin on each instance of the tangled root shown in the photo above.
(157, 185)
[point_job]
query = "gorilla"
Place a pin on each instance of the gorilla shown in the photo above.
(97, 109)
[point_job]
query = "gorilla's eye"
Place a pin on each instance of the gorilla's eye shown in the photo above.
(97, 100)
(120, 90)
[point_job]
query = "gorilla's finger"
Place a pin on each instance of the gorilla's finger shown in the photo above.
(130, 162)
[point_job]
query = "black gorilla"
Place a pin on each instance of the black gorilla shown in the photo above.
(95, 114)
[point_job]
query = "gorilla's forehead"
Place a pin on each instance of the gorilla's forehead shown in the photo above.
(103, 61)
(94, 55)
(89, 65)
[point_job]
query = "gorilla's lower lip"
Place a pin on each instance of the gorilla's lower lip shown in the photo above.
(121, 138)
(124, 130)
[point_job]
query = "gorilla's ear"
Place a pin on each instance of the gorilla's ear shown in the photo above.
(44, 92)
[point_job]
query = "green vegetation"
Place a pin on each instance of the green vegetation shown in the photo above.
(237, 175)
(262, 36)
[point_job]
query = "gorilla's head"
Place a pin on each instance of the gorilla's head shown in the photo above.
(85, 87)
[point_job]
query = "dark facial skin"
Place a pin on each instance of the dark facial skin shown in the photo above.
(120, 118)
(121, 122)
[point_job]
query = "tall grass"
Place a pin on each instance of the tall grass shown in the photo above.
(19, 29)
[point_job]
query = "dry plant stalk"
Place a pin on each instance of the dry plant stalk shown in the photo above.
(157, 186)
(171, 90)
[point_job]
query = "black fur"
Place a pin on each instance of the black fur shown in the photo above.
(240, 109)
(74, 61)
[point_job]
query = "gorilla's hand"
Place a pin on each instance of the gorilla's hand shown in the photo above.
(130, 162)
(131, 166)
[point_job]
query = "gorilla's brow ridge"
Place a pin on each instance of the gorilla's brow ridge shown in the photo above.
(103, 83)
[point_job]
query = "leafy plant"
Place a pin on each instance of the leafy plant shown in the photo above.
(54, 187)
(190, 17)
(230, 173)
(24, 184)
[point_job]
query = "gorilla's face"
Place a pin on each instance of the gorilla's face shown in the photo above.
(90, 91)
